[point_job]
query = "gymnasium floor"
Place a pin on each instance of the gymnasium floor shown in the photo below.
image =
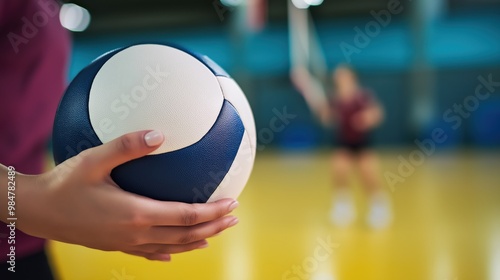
(447, 227)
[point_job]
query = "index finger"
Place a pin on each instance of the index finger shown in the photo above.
(167, 213)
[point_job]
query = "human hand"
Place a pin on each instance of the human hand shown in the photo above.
(367, 119)
(361, 121)
(77, 202)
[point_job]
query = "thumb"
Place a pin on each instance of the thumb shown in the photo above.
(124, 148)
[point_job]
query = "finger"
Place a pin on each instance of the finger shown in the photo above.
(162, 213)
(171, 249)
(186, 235)
(150, 256)
(122, 149)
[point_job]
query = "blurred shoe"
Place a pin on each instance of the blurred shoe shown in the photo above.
(322, 276)
(380, 211)
(343, 212)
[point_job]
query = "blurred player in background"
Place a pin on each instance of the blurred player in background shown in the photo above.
(356, 113)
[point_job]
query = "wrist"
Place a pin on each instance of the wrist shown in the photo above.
(30, 201)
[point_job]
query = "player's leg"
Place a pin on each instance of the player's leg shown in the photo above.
(369, 169)
(341, 167)
(343, 211)
(379, 206)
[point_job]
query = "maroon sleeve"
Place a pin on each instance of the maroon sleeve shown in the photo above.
(34, 52)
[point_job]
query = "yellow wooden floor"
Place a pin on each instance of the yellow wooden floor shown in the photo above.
(447, 227)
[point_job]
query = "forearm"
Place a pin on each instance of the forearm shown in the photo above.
(373, 115)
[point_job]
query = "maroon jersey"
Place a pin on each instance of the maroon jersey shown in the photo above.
(345, 111)
(34, 52)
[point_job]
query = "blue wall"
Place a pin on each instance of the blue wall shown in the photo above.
(456, 41)
(462, 46)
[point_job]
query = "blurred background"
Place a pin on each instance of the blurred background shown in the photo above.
(433, 64)
(440, 47)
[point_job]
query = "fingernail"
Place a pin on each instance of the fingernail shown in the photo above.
(166, 258)
(233, 222)
(203, 245)
(233, 205)
(153, 138)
